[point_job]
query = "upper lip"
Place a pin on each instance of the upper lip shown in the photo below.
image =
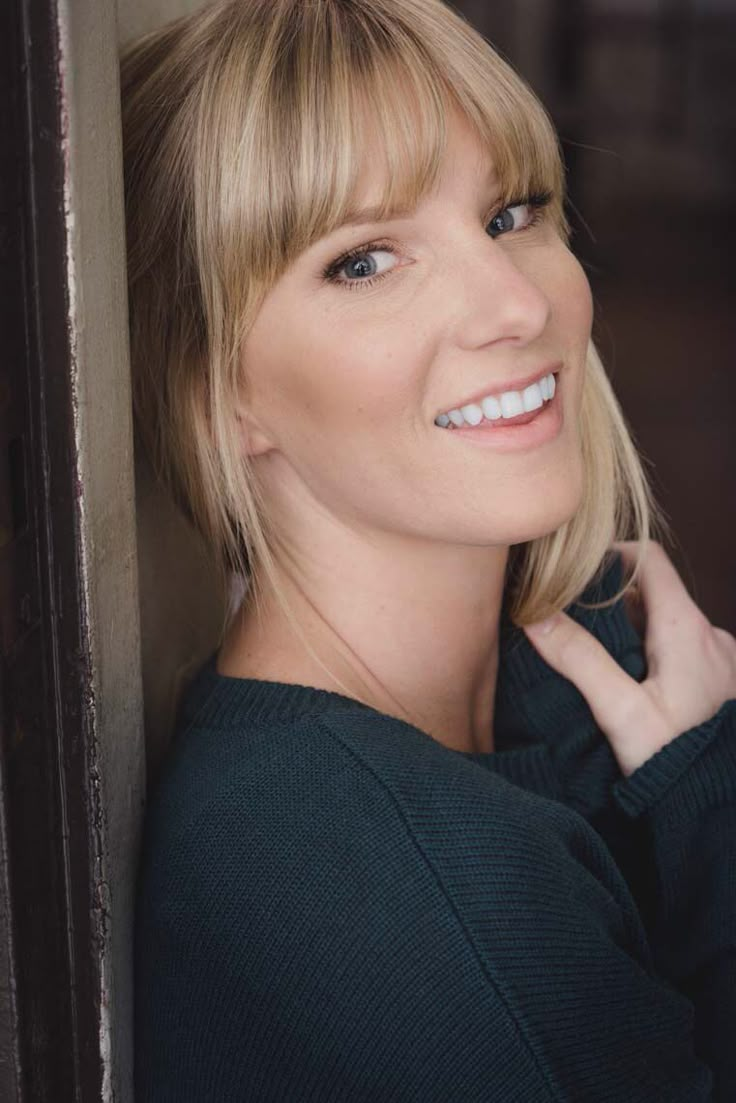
(507, 385)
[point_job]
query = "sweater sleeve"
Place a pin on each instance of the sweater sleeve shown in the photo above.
(430, 933)
(683, 803)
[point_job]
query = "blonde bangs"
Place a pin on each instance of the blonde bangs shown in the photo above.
(288, 154)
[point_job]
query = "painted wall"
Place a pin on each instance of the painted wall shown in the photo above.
(180, 609)
(135, 17)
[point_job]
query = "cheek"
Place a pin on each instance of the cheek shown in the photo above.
(360, 361)
(573, 302)
(318, 377)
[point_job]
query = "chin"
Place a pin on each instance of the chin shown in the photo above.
(545, 513)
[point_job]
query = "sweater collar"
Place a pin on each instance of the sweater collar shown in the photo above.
(532, 701)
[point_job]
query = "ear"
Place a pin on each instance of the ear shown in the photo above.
(254, 440)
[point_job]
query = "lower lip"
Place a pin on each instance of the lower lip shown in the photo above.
(509, 435)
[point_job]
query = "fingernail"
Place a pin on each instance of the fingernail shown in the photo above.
(543, 627)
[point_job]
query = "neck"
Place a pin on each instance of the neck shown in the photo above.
(411, 631)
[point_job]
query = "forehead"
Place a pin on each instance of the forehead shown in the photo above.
(464, 154)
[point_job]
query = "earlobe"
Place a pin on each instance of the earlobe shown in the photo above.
(254, 442)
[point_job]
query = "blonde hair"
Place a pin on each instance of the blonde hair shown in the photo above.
(242, 148)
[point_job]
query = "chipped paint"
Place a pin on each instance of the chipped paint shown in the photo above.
(104, 498)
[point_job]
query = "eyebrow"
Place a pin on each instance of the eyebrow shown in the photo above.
(360, 216)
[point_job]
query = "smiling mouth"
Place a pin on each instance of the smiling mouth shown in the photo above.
(505, 409)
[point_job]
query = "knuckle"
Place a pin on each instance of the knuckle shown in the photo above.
(725, 637)
(701, 627)
(727, 643)
(720, 655)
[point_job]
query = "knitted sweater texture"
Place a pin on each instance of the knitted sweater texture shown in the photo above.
(334, 907)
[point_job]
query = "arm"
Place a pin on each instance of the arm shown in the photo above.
(683, 800)
(677, 799)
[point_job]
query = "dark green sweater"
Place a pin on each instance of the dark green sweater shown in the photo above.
(334, 907)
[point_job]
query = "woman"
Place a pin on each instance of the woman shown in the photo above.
(402, 849)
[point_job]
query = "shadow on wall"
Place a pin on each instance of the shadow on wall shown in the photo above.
(181, 606)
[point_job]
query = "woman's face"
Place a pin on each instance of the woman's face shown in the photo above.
(346, 377)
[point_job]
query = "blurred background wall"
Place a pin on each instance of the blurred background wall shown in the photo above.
(643, 93)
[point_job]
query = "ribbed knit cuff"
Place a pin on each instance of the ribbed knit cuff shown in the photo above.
(695, 771)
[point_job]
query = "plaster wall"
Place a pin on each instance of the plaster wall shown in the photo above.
(181, 609)
(136, 17)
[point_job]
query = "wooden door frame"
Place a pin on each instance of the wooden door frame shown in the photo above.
(71, 756)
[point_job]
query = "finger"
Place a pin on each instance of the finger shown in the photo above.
(660, 585)
(613, 697)
(629, 551)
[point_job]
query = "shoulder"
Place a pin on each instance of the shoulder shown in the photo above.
(343, 780)
(346, 806)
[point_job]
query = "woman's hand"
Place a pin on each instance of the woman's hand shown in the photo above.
(691, 665)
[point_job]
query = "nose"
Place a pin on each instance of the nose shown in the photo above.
(497, 298)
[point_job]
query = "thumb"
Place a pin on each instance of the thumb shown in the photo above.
(614, 698)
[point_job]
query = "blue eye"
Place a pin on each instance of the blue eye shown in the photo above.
(517, 217)
(362, 264)
(358, 268)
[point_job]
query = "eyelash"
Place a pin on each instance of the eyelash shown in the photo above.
(536, 202)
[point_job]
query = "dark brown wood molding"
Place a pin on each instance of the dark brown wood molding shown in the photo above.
(51, 816)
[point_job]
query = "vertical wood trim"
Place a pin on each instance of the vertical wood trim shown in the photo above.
(101, 397)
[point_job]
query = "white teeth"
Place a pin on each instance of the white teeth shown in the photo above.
(511, 404)
(472, 414)
(532, 398)
(507, 405)
(491, 408)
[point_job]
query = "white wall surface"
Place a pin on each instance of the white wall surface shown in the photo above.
(138, 16)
